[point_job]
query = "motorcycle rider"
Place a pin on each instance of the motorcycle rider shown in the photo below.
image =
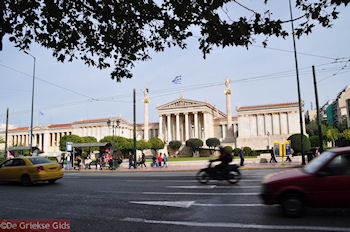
(225, 158)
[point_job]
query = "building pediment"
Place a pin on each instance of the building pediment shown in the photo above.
(181, 103)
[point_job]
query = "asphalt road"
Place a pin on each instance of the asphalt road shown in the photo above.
(125, 202)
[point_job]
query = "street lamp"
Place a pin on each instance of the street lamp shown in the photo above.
(31, 118)
(111, 123)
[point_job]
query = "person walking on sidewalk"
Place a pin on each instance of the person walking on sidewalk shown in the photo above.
(68, 165)
(273, 158)
(288, 156)
(160, 159)
(241, 155)
(165, 159)
(154, 161)
(143, 160)
(131, 161)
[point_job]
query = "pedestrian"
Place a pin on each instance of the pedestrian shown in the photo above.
(143, 160)
(131, 161)
(317, 152)
(154, 161)
(241, 155)
(165, 159)
(160, 159)
(79, 161)
(273, 157)
(68, 165)
(290, 155)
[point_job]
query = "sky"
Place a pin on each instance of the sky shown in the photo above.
(202, 79)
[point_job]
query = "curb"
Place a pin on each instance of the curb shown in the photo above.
(181, 170)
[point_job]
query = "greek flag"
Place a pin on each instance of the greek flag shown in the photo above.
(41, 113)
(177, 80)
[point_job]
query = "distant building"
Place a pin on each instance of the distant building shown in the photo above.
(340, 106)
(255, 126)
(311, 115)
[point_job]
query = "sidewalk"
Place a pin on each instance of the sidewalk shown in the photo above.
(252, 163)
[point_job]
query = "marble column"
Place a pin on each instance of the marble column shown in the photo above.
(145, 101)
(204, 126)
(177, 127)
(169, 127)
(196, 124)
(160, 130)
(187, 134)
(228, 108)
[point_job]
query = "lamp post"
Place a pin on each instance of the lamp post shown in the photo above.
(31, 117)
(112, 123)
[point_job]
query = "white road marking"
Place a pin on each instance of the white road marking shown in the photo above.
(237, 225)
(213, 187)
(189, 193)
(187, 204)
(179, 204)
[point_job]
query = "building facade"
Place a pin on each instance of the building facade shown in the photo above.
(181, 119)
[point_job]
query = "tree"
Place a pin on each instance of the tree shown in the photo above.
(143, 145)
(175, 144)
(247, 151)
(124, 32)
(212, 143)
(346, 134)
(236, 151)
(69, 138)
(314, 141)
(332, 134)
(89, 139)
(156, 144)
(296, 145)
(194, 144)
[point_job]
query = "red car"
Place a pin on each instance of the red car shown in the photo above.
(324, 182)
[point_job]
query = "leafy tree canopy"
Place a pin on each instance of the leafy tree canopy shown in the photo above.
(156, 143)
(69, 138)
(346, 134)
(212, 142)
(175, 144)
(143, 145)
(120, 33)
(195, 144)
(296, 145)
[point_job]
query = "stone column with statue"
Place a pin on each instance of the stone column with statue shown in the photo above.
(229, 134)
(145, 101)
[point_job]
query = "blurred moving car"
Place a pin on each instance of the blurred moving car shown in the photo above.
(324, 182)
(30, 169)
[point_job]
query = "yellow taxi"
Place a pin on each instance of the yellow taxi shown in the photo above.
(30, 169)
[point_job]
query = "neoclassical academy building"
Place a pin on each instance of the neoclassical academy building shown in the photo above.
(181, 119)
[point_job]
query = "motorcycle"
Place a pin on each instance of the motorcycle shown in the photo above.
(230, 173)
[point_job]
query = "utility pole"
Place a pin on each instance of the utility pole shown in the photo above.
(135, 161)
(6, 132)
(31, 118)
(318, 112)
(299, 97)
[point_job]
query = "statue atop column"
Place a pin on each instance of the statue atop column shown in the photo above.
(146, 96)
(145, 100)
(229, 134)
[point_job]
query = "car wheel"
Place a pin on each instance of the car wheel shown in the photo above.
(292, 205)
(234, 177)
(202, 177)
(52, 181)
(25, 180)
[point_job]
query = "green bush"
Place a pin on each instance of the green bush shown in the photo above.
(212, 142)
(195, 144)
(175, 144)
(236, 151)
(314, 141)
(228, 149)
(296, 145)
(247, 151)
(156, 143)
(143, 145)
